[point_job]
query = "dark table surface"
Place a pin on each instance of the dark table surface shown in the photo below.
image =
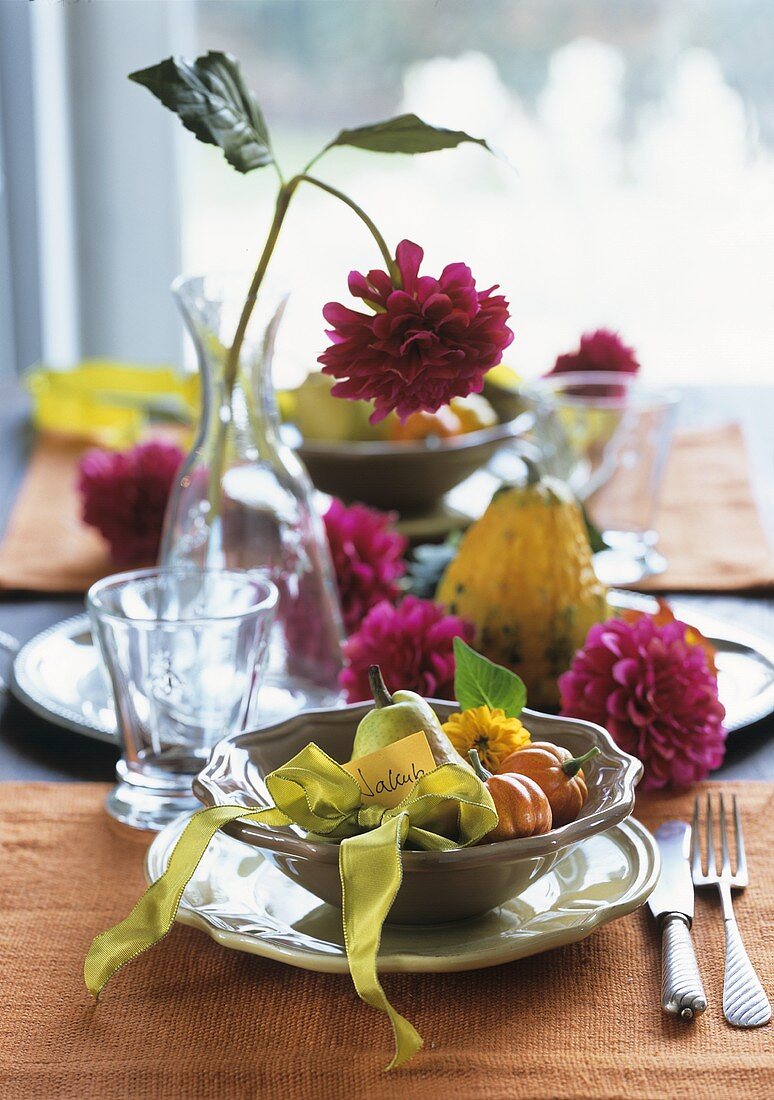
(33, 749)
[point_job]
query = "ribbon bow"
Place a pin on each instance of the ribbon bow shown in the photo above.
(446, 808)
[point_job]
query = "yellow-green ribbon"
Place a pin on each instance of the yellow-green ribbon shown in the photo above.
(446, 808)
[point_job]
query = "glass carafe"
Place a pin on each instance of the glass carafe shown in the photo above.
(243, 500)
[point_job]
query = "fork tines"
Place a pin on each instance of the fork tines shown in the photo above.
(737, 878)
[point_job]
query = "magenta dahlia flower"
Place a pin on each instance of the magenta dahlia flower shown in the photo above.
(412, 642)
(654, 690)
(423, 342)
(124, 495)
(367, 557)
(602, 350)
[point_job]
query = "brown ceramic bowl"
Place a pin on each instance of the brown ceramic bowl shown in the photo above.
(437, 887)
(410, 477)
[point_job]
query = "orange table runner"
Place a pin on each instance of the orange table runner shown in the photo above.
(710, 529)
(191, 1019)
(708, 522)
(46, 547)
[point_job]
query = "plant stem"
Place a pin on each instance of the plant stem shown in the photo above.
(283, 201)
(314, 159)
(533, 470)
(231, 368)
(381, 695)
(392, 267)
(572, 767)
(281, 209)
(478, 767)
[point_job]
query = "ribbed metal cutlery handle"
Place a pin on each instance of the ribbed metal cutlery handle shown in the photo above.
(744, 1002)
(682, 993)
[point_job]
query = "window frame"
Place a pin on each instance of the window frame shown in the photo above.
(89, 244)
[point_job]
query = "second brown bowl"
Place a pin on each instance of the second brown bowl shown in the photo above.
(412, 476)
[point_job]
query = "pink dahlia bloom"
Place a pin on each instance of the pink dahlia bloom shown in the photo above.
(602, 350)
(367, 556)
(412, 643)
(422, 342)
(656, 694)
(124, 495)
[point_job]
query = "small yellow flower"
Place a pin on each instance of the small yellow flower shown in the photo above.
(489, 732)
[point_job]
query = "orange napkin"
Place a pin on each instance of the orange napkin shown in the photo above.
(47, 548)
(708, 524)
(710, 530)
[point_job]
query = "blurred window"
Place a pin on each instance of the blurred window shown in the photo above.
(642, 135)
(89, 196)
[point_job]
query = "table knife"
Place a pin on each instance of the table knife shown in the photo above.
(671, 903)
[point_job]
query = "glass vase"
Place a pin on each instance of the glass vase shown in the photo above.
(243, 500)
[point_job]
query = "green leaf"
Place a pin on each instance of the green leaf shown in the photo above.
(211, 99)
(596, 542)
(404, 134)
(479, 682)
(426, 565)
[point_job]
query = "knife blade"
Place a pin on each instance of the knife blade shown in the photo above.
(671, 903)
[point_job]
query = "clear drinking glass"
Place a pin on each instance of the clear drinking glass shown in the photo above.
(608, 436)
(185, 652)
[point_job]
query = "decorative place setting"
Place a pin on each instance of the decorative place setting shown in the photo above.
(244, 904)
(392, 790)
(417, 720)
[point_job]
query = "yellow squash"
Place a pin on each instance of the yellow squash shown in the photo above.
(523, 575)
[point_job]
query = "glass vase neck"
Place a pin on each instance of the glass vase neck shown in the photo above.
(240, 394)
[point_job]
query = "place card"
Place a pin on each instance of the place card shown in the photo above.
(387, 775)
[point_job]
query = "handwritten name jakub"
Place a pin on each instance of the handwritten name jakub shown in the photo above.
(387, 775)
(393, 781)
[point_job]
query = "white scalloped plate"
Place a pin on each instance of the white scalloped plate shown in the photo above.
(243, 903)
(57, 673)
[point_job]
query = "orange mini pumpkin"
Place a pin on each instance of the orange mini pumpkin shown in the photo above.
(522, 807)
(558, 774)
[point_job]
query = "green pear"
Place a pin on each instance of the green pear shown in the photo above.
(397, 716)
(323, 418)
(318, 415)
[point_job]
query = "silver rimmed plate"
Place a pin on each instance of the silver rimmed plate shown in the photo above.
(745, 660)
(58, 675)
(243, 903)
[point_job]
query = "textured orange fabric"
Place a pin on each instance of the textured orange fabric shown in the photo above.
(192, 1020)
(709, 524)
(46, 547)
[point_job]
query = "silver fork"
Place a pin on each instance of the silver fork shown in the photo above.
(744, 1002)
